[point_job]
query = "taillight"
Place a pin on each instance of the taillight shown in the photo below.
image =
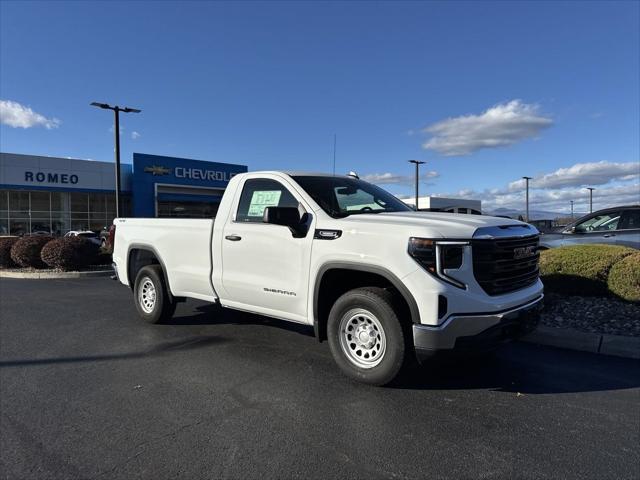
(112, 236)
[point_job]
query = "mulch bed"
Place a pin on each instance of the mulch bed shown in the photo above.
(592, 314)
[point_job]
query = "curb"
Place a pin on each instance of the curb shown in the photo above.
(52, 275)
(605, 344)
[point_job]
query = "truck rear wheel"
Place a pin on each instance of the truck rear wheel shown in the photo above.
(151, 297)
(365, 336)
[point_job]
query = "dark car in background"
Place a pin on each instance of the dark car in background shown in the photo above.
(613, 226)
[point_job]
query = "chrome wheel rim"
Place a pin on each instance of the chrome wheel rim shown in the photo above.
(362, 338)
(147, 295)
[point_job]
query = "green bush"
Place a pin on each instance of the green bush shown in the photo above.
(624, 278)
(5, 251)
(69, 253)
(580, 269)
(26, 251)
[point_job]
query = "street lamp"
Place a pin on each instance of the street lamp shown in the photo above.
(116, 111)
(417, 163)
(526, 181)
(571, 209)
(591, 189)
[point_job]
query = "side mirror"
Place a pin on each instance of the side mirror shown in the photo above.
(570, 230)
(287, 217)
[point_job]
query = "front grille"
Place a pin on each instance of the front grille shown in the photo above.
(496, 267)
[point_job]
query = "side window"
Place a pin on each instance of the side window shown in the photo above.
(600, 223)
(259, 193)
(630, 220)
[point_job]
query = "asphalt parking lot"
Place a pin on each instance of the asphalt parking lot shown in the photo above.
(89, 391)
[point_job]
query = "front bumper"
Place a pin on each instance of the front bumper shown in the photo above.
(476, 331)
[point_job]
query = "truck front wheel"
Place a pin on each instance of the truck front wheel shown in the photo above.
(366, 337)
(151, 297)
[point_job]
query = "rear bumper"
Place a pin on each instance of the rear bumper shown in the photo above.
(115, 272)
(476, 331)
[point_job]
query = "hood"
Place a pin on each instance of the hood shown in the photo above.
(437, 224)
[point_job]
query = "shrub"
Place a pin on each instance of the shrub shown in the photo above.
(26, 251)
(624, 278)
(103, 258)
(69, 253)
(5, 251)
(580, 269)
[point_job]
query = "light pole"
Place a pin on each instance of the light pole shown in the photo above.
(571, 209)
(591, 189)
(526, 182)
(417, 163)
(116, 111)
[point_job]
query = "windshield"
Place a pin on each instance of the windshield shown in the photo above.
(340, 196)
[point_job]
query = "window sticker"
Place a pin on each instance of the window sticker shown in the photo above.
(262, 199)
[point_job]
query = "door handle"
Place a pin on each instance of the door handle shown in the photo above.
(233, 238)
(607, 235)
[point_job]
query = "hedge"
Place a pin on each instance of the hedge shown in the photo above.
(624, 278)
(69, 253)
(580, 269)
(5, 251)
(26, 251)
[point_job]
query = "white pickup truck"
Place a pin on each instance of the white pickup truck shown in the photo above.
(382, 283)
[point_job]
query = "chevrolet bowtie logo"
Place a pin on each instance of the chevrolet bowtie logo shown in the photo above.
(157, 170)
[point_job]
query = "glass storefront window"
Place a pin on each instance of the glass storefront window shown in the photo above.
(40, 202)
(18, 204)
(40, 224)
(4, 203)
(18, 226)
(23, 212)
(97, 203)
(59, 201)
(79, 203)
(60, 223)
(79, 223)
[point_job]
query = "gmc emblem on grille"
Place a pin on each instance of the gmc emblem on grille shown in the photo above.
(523, 252)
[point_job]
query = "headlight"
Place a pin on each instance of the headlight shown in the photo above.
(436, 256)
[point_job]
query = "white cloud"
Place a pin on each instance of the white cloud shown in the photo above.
(501, 125)
(135, 135)
(16, 115)
(589, 174)
(397, 179)
(553, 191)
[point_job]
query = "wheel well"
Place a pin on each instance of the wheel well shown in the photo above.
(138, 258)
(337, 281)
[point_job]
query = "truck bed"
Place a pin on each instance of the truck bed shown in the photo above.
(184, 245)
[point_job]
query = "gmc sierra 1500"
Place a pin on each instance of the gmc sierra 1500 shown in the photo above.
(382, 283)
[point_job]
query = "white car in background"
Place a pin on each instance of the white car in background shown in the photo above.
(88, 234)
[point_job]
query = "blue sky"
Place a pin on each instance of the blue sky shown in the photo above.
(485, 92)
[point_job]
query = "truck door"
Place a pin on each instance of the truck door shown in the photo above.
(263, 266)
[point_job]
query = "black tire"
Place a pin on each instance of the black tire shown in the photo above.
(161, 308)
(350, 313)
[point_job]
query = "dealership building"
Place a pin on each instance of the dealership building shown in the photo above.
(49, 194)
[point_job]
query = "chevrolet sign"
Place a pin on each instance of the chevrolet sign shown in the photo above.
(156, 170)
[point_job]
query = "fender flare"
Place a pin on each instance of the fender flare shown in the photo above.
(359, 267)
(151, 249)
